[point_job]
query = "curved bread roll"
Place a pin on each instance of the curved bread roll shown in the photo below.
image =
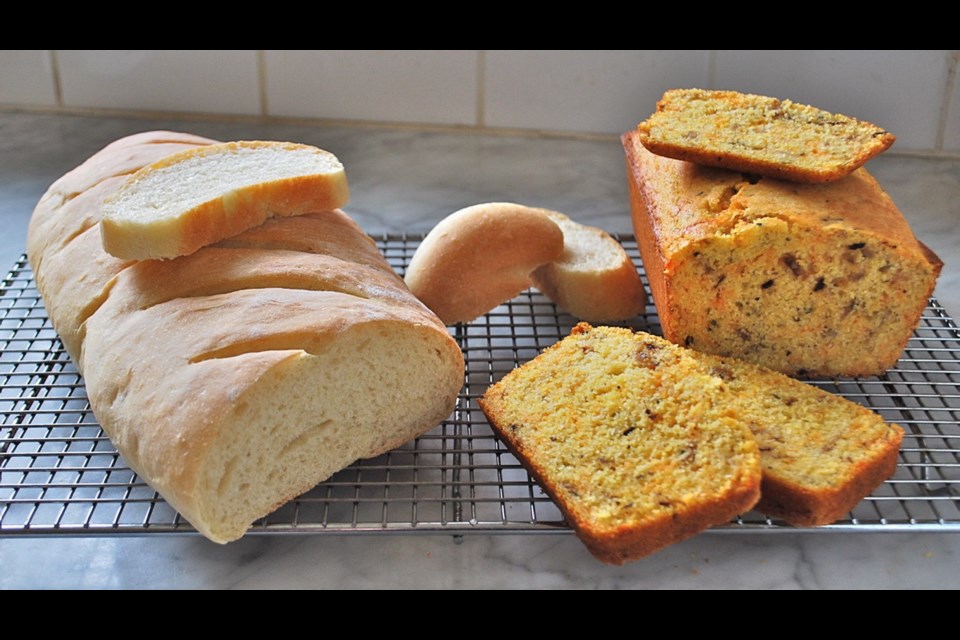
(233, 186)
(240, 376)
(481, 256)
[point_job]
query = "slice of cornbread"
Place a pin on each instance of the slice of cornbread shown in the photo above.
(643, 443)
(626, 434)
(759, 134)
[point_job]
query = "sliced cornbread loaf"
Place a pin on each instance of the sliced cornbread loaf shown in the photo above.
(626, 433)
(643, 443)
(759, 134)
(805, 279)
(594, 279)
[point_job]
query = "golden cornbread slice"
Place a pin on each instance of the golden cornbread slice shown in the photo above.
(805, 279)
(759, 134)
(627, 436)
(643, 443)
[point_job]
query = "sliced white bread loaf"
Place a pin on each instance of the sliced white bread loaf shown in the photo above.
(199, 196)
(233, 379)
(594, 279)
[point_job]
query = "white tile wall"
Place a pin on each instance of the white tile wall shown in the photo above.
(437, 87)
(951, 137)
(26, 78)
(568, 91)
(901, 91)
(594, 91)
(161, 80)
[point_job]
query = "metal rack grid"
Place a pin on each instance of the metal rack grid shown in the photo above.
(59, 474)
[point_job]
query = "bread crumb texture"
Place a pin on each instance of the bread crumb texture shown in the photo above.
(643, 443)
(760, 134)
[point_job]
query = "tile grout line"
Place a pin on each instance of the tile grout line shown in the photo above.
(954, 62)
(481, 87)
(55, 70)
(262, 82)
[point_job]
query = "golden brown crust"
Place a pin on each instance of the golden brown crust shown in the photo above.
(760, 135)
(806, 279)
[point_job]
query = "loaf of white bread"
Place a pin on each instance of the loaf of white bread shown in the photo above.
(234, 379)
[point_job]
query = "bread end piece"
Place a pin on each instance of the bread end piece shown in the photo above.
(594, 280)
(198, 197)
(760, 135)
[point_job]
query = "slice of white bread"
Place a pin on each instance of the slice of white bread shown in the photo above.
(481, 256)
(199, 196)
(234, 379)
(594, 279)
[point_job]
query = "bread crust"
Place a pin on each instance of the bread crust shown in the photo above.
(841, 279)
(481, 256)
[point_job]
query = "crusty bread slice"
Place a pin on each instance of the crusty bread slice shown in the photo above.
(643, 443)
(760, 135)
(197, 197)
(594, 279)
(481, 256)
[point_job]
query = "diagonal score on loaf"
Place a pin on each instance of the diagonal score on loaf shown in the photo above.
(220, 271)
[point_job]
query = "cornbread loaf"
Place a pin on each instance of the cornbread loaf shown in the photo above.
(627, 436)
(642, 442)
(233, 186)
(806, 279)
(235, 378)
(761, 135)
(481, 256)
(594, 279)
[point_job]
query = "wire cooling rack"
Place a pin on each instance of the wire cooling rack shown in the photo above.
(59, 474)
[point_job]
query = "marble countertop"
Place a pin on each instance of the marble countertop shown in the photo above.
(407, 180)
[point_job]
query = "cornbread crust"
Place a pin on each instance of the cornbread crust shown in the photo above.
(631, 475)
(820, 453)
(805, 279)
(762, 135)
